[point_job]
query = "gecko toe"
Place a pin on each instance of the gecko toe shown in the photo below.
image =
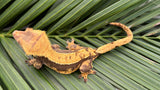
(27, 62)
(92, 72)
(85, 80)
(84, 75)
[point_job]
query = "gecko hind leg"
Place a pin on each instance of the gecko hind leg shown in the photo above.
(35, 62)
(86, 69)
(72, 46)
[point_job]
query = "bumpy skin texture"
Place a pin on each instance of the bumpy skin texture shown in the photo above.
(36, 43)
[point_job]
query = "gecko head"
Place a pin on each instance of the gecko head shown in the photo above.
(20, 36)
(28, 38)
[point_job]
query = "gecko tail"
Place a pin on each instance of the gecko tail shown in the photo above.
(107, 47)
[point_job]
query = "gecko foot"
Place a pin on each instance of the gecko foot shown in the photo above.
(30, 62)
(36, 63)
(84, 75)
(72, 46)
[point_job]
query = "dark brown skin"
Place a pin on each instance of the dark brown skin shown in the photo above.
(36, 43)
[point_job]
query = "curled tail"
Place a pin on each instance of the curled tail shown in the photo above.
(107, 47)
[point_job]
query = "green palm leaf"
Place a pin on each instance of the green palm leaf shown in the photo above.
(132, 66)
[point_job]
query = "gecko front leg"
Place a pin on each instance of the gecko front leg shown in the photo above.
(72, 46)
(86, 69)
(35, 62)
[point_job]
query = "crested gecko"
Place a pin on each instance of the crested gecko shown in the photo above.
(36, 43)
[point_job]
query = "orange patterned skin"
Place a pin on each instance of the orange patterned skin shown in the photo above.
(36, 43)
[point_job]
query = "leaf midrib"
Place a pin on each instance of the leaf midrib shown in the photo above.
(90, 36)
